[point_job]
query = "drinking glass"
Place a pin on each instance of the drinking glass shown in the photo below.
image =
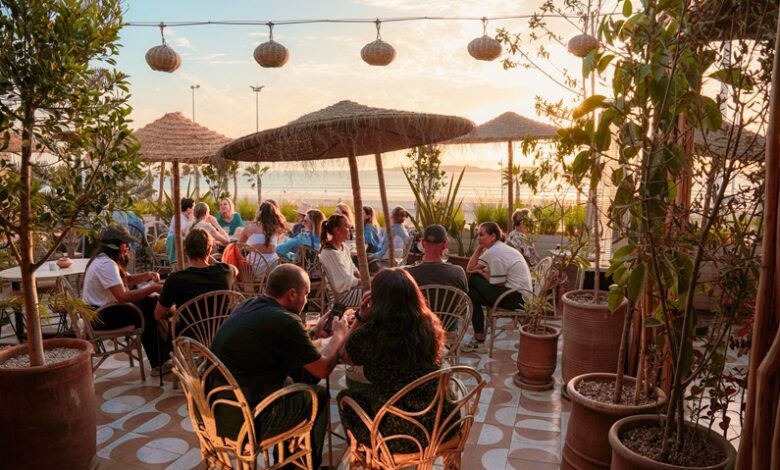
(312, 318)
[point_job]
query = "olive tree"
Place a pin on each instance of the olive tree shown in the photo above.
(60, 95)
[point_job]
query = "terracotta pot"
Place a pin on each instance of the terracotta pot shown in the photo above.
(591, 336)
(624, 459)
(48, 417)
(587, 445)
(537, 356)
(64, 262)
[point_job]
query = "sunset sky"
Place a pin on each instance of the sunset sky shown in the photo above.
(432, 72)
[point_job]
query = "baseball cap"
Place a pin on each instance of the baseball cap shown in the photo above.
(303, 209)
(435, 233)
(116, 232)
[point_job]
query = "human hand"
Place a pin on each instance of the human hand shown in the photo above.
(340, 327)
(365, 304)
(153, 276)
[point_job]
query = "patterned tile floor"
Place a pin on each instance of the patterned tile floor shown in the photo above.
(141, 425)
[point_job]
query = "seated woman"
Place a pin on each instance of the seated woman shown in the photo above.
(205, 221)
(520, 237)
(200, 277)
(228, 218)
(263, 235)
(493, 269)
(309, 236)
(105, 282)
(186, 207)
(337, 261)
(343, 208)
(398, 231)
(370, 230)
(397, 340)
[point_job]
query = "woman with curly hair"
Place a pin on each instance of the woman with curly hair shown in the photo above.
(263, 233)
(397, 340)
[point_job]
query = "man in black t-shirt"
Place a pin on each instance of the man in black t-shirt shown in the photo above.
(199, 278)
(433, 270)
(263, 341)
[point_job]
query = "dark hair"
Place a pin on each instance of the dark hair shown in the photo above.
(283, 278)
(111, 249)
(270, 220)
(402, 320)
(521, 216)
(369, 211)
(201, 209)
(328, 227)
(186, 203)
(197, 243)
(492, 228)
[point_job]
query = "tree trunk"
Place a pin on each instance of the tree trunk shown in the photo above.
(510, 206)
(196, 174)
(360, 242)
(27, 262)
(235, 187)
(622, 353)
(161, 194)
(259, 189)
(177, 218)
(755, 445)
(380, 173)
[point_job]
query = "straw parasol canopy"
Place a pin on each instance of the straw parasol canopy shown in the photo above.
(751, 147)
(508, 127)
(174, 138)
(347, 130)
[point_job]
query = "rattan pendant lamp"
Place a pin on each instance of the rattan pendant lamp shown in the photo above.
(163, 58)
(484, 47)
(271, 54)
(378, 53)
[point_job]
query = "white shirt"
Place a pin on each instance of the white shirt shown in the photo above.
(340, 268)
(185, 223)
(101, 275)
(506, 265)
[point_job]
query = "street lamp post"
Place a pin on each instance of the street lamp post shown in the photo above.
(257, 89)
(193, 88)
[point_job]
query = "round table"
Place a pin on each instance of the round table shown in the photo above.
(45, 271)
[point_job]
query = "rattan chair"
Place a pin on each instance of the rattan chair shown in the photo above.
(308, 259)
(253, 270)
(198, 368)
(459, 387)
(201, 317)
(539, 275)
(453, 307)
(124, 340)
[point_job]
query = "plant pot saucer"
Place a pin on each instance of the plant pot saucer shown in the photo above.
(533, 386)
(565, 392)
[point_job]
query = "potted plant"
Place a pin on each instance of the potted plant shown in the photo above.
(537, 351)
(53, 102)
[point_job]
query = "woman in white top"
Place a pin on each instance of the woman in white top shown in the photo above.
(493, 269)
(186, 217)
(335, 257)
(203, 219)
(106, 281)
(263, 234)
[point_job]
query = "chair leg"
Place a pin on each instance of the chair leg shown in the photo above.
(140, 357)
(128, 340)
(452, 461)
(492, 332)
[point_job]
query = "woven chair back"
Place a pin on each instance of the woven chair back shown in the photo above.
(453, 308)
(253, 270)
(201, 317)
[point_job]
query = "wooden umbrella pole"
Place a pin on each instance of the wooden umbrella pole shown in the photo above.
(509, 185)
(177, 218)
(380, 173)
(360, 242)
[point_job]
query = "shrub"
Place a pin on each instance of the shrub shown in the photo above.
(574, 219)
(247, 207)
(546, 220)
(487, 212)
(288, 210)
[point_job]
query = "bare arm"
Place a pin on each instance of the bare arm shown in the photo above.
(123, 296)
(329, 356)
(133, 279)
(473, 266)
(220, 235)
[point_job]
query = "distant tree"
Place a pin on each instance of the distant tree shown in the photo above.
(57, 103)
(254, 174)
(425, 170)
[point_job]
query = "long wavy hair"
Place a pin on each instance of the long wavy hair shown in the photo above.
(316, 217)
(368, 211)
(271, 221)
(402, 320)
(328, 227)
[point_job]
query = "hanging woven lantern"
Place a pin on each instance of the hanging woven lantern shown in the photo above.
(271, 54)
(581, 44)
(484, 48)
(163, 58)
(378, 53)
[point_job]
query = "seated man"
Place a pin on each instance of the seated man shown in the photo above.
(263, 341)
(432, 270)
(200, 277)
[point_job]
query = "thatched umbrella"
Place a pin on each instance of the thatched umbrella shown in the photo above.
(508, 127)
(174, 138)
(348, 130)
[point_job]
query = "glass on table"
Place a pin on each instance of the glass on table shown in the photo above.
(312, 318)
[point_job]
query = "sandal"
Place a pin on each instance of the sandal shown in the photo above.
(473, 346)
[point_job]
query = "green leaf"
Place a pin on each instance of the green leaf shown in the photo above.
(636, 282)
(627, 8)
(651, 322)
(733, 76)
(590, 104)
(615, 297)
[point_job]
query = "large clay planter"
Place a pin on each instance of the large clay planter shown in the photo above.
(48, 412)
(625, 459)
(587, 444)
(591, 336)
(537, 356)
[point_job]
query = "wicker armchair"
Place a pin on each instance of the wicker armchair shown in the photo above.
(253, 270)
(539, 275)
(307, 258)
(197, 368)
(124, 340)
(453, 308)
(458, 386)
